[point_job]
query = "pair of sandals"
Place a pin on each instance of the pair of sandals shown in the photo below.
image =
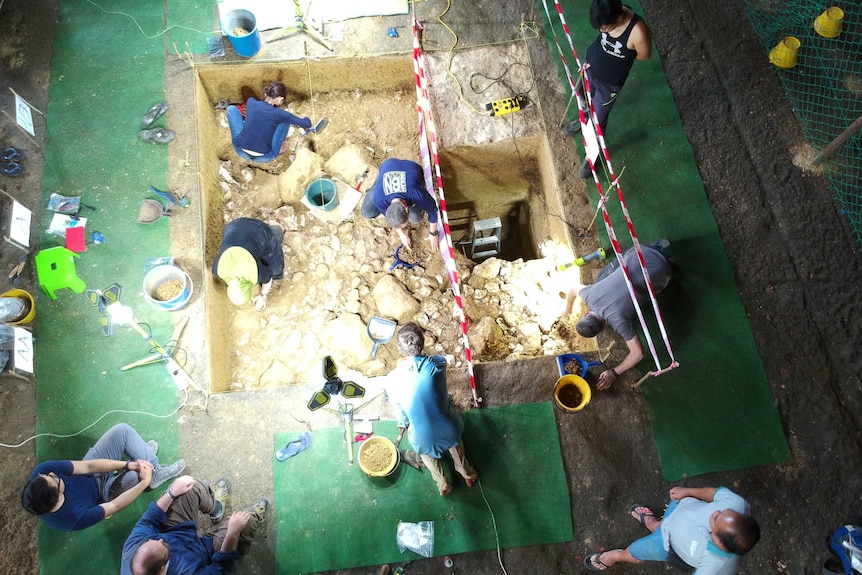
(12, 158)
(594, 562)
(157, 135)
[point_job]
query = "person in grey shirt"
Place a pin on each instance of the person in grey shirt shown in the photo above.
(610, 303)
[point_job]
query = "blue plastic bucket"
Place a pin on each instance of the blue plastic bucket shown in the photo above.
(240, 26)
(160, 275)
(322, 194)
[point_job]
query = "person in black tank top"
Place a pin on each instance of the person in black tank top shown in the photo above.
(624, 37)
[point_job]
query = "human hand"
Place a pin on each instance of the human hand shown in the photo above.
(677, 493)
(145, 470)
(182, 485)
(435, 243)
(405, 239)
(237, 521)
(259, 302)
(606, 379)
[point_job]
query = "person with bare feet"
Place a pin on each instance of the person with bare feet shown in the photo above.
(260, 134)
(704, 530)
(399, 194)
(250, 255)
(418, 389)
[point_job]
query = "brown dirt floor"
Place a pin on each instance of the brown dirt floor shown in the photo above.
(796, 267)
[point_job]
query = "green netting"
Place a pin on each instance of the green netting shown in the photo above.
(825, 84)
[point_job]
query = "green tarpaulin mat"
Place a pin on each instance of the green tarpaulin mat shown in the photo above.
(715, 411)
(108, 68)
(331, 515)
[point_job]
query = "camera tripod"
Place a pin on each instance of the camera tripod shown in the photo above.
(300, 26)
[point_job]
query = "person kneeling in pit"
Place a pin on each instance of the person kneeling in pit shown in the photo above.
(250, 255)
(400, 194)
(609, 302)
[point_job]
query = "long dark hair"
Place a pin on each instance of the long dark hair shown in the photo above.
(275, 90)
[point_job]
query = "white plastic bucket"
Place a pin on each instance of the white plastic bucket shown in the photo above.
(165, 273)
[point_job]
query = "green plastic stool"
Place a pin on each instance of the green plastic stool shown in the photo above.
(55, 268)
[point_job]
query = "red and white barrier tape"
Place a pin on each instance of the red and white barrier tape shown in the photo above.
(447, 250)
(584, 70)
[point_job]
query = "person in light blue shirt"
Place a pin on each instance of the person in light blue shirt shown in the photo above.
(418, 389)
(704, 530)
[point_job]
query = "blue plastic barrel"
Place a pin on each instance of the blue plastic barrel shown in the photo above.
(240, 26)
(322, 194)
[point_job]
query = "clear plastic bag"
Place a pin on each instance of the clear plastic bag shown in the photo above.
(12, 309)
(64, 204)
(417, 537)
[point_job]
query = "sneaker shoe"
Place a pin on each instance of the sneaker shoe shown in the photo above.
(158, 135)
(154, 445)
(585, 172)
(220, 492)
(165, 472)
(154, 113)
(572, 128)
(260, 507)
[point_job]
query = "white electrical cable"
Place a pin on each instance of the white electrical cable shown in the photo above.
(494, 521)
(63, 436)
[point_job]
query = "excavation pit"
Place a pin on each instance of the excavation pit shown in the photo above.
(491, 167)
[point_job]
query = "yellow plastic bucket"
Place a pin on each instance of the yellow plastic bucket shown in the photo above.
(25, 295)
(784, 55)
(572, 393)
(378, 457)
(828, 24)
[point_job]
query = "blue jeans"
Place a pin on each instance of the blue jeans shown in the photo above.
(121, 438)
(236, 123)
(651, 547)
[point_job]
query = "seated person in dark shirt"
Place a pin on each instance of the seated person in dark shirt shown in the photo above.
(73, 495)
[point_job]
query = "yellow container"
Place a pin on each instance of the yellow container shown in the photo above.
(828, 24)
(572, 393)
(25, 295)
(378, 457)
(784, 55)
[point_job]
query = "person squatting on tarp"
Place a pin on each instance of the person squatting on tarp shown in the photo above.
(418, 388)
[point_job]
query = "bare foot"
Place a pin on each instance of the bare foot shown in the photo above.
(471, 481)
(446, 491)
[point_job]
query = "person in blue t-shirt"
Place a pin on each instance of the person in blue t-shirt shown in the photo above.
(399, 193)
(73, 495)
(262, 135)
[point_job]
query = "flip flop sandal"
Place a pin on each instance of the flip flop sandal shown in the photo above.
(155, 113)
(158, 135)
(593, 563)
(13, 155)
(640, 517)
(301, 443)
(12, 169)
